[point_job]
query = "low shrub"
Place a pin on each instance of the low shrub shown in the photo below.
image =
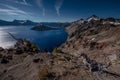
(43, 73)
(55, 51)
(34, 48)
(93, 32)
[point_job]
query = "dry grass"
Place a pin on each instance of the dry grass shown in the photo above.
(43, 73)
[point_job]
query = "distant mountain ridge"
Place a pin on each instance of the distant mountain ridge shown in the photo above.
(17, 22)
(91, 22)
(29, 22)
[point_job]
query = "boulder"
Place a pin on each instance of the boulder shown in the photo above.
(36, 60)
(4, 61)
(1, 49)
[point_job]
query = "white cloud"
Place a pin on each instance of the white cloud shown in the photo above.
(43, 12)
(25, 2)
(58, 5)
(10, 10)
(40, 5)
(22, 2)
(7, 11)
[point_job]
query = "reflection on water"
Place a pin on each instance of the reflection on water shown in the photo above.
(43, 39)
(6, 41)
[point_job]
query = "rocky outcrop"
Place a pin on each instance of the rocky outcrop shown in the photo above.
(97, 40)
(1, 49)
(21, 47)
(25, 46)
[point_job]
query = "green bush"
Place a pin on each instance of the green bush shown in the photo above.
(34, 48)
(55, 51)
(31, 46)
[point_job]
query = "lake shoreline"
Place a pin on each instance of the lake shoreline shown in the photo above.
(42, 39)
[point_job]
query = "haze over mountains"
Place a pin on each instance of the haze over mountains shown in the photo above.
(17, 22)
(29, 22)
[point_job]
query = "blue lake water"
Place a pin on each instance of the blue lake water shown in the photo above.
(43, 39)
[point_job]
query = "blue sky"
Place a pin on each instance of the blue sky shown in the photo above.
(57, 10)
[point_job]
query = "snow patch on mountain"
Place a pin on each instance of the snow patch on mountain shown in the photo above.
(94, 17)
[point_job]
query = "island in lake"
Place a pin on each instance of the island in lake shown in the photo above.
(42, 27)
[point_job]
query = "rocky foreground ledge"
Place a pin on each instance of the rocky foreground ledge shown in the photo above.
(24, 62)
